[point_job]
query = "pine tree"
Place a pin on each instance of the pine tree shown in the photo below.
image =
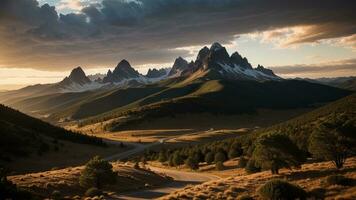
(162, 157)
(177, 159)
(334, 140)
(97, 173)
(219, 157)
(192, 162)
(275, 151)
(209, 157)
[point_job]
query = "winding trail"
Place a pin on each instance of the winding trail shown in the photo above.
(137, 149)
(180, 178)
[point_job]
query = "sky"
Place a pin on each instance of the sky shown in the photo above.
(41, 41)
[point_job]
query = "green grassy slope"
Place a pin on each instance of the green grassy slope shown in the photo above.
(51, 102)
(128, 98)
(223, 97)
(177, 96)
(113, 100)
(85, 104)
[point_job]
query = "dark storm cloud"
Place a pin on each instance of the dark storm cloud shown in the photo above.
(148, 31)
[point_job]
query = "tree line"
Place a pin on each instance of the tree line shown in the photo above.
(330, 138)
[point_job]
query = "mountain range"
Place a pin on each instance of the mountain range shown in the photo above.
(213, 62)
(215, 82)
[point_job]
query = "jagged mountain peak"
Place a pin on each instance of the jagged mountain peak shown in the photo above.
(124, 63)
(77, 76)
(218, 54)
(180, 60)
(77, 81)
(203, 53)
(180, 64)
(156, 73)
(265, 70)
(215, 46)
(211, 63)
(236, 55)
(122, 71)
(217, 63)
(237, 59)
(77, 73)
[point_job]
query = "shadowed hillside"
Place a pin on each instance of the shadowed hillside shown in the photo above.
(221, 97)
(340, 114)
(22, 135)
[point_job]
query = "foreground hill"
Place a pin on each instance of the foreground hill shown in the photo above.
(22, 135)
(311, 177)
(66, 181)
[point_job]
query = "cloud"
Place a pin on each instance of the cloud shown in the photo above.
(341, 34)
(70, 4)
(345, 67)
(316, 33)
(154, 31)
(348, 41)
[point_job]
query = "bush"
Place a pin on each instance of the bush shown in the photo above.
(317, 193)
(192, 163)
(278, 189)
(220, 157)
(242, 162)
(233, 153)
(92, 192)
(56, 195)
(219, 166)
(339, 180)
(334, 140)
(162, 157)
(177, 159)
(209, 157)
(170, 161)
(251, 167)
(97, 173)
(274, 151)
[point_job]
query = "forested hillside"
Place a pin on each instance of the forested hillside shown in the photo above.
(22, 135)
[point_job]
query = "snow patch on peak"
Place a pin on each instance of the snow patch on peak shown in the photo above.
(252, 74)
(75, 87)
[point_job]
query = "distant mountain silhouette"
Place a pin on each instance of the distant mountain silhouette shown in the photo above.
(122, 71)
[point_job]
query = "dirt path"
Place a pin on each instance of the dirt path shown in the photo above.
(181, 179)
